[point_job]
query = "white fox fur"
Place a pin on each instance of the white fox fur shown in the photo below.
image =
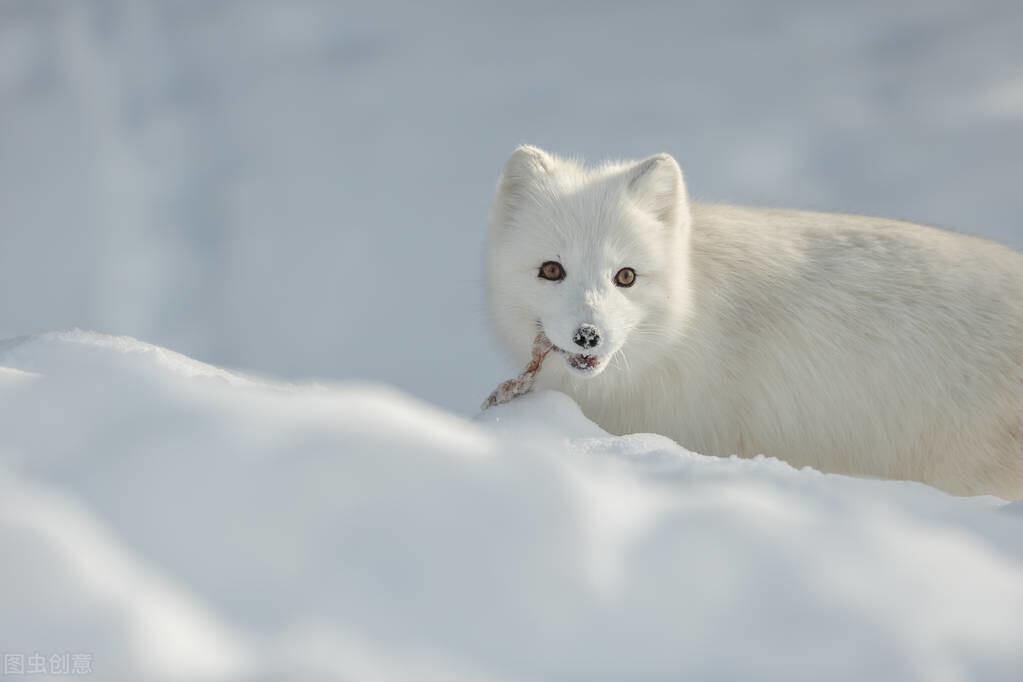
(849, 344)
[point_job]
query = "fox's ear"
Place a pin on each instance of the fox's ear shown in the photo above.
(656, 185)
(523, 167)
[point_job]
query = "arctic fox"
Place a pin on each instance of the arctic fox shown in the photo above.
(848, 344)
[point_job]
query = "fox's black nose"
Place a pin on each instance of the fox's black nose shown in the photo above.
(586, 336)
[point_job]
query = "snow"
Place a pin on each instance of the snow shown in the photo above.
(180, 521)
(300, 188)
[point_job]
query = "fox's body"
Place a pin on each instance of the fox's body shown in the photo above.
(849, 344)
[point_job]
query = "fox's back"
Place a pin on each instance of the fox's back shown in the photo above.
(855, 345)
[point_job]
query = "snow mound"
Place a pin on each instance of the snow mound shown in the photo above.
(177, 521)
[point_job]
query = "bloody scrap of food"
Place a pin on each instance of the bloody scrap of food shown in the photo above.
(523, 383)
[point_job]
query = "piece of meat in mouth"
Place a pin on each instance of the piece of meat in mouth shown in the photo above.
(583, 361)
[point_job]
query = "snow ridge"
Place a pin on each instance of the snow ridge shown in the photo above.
(179, 521)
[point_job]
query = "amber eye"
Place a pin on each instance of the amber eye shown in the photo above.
(552, 270)
(626, 277)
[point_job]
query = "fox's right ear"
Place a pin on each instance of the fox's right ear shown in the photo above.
(524, 166)
(657, 186)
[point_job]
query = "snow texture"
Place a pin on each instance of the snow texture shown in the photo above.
(179, 521)
(300, 188)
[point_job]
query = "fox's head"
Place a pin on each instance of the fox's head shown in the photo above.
(596, 258)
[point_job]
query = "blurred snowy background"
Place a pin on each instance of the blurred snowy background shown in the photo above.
(300, 188)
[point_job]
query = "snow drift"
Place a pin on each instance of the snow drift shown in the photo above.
(178, 521)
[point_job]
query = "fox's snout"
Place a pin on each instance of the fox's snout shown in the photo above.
(586, 336)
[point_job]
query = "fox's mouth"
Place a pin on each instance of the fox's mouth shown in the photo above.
(580, 362)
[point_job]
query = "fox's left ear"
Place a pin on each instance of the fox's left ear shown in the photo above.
(656, 185)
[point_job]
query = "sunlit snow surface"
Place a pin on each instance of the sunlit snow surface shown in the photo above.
(181, 522)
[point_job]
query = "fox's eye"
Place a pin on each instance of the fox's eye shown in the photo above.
(552, 270)
(625, 277)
